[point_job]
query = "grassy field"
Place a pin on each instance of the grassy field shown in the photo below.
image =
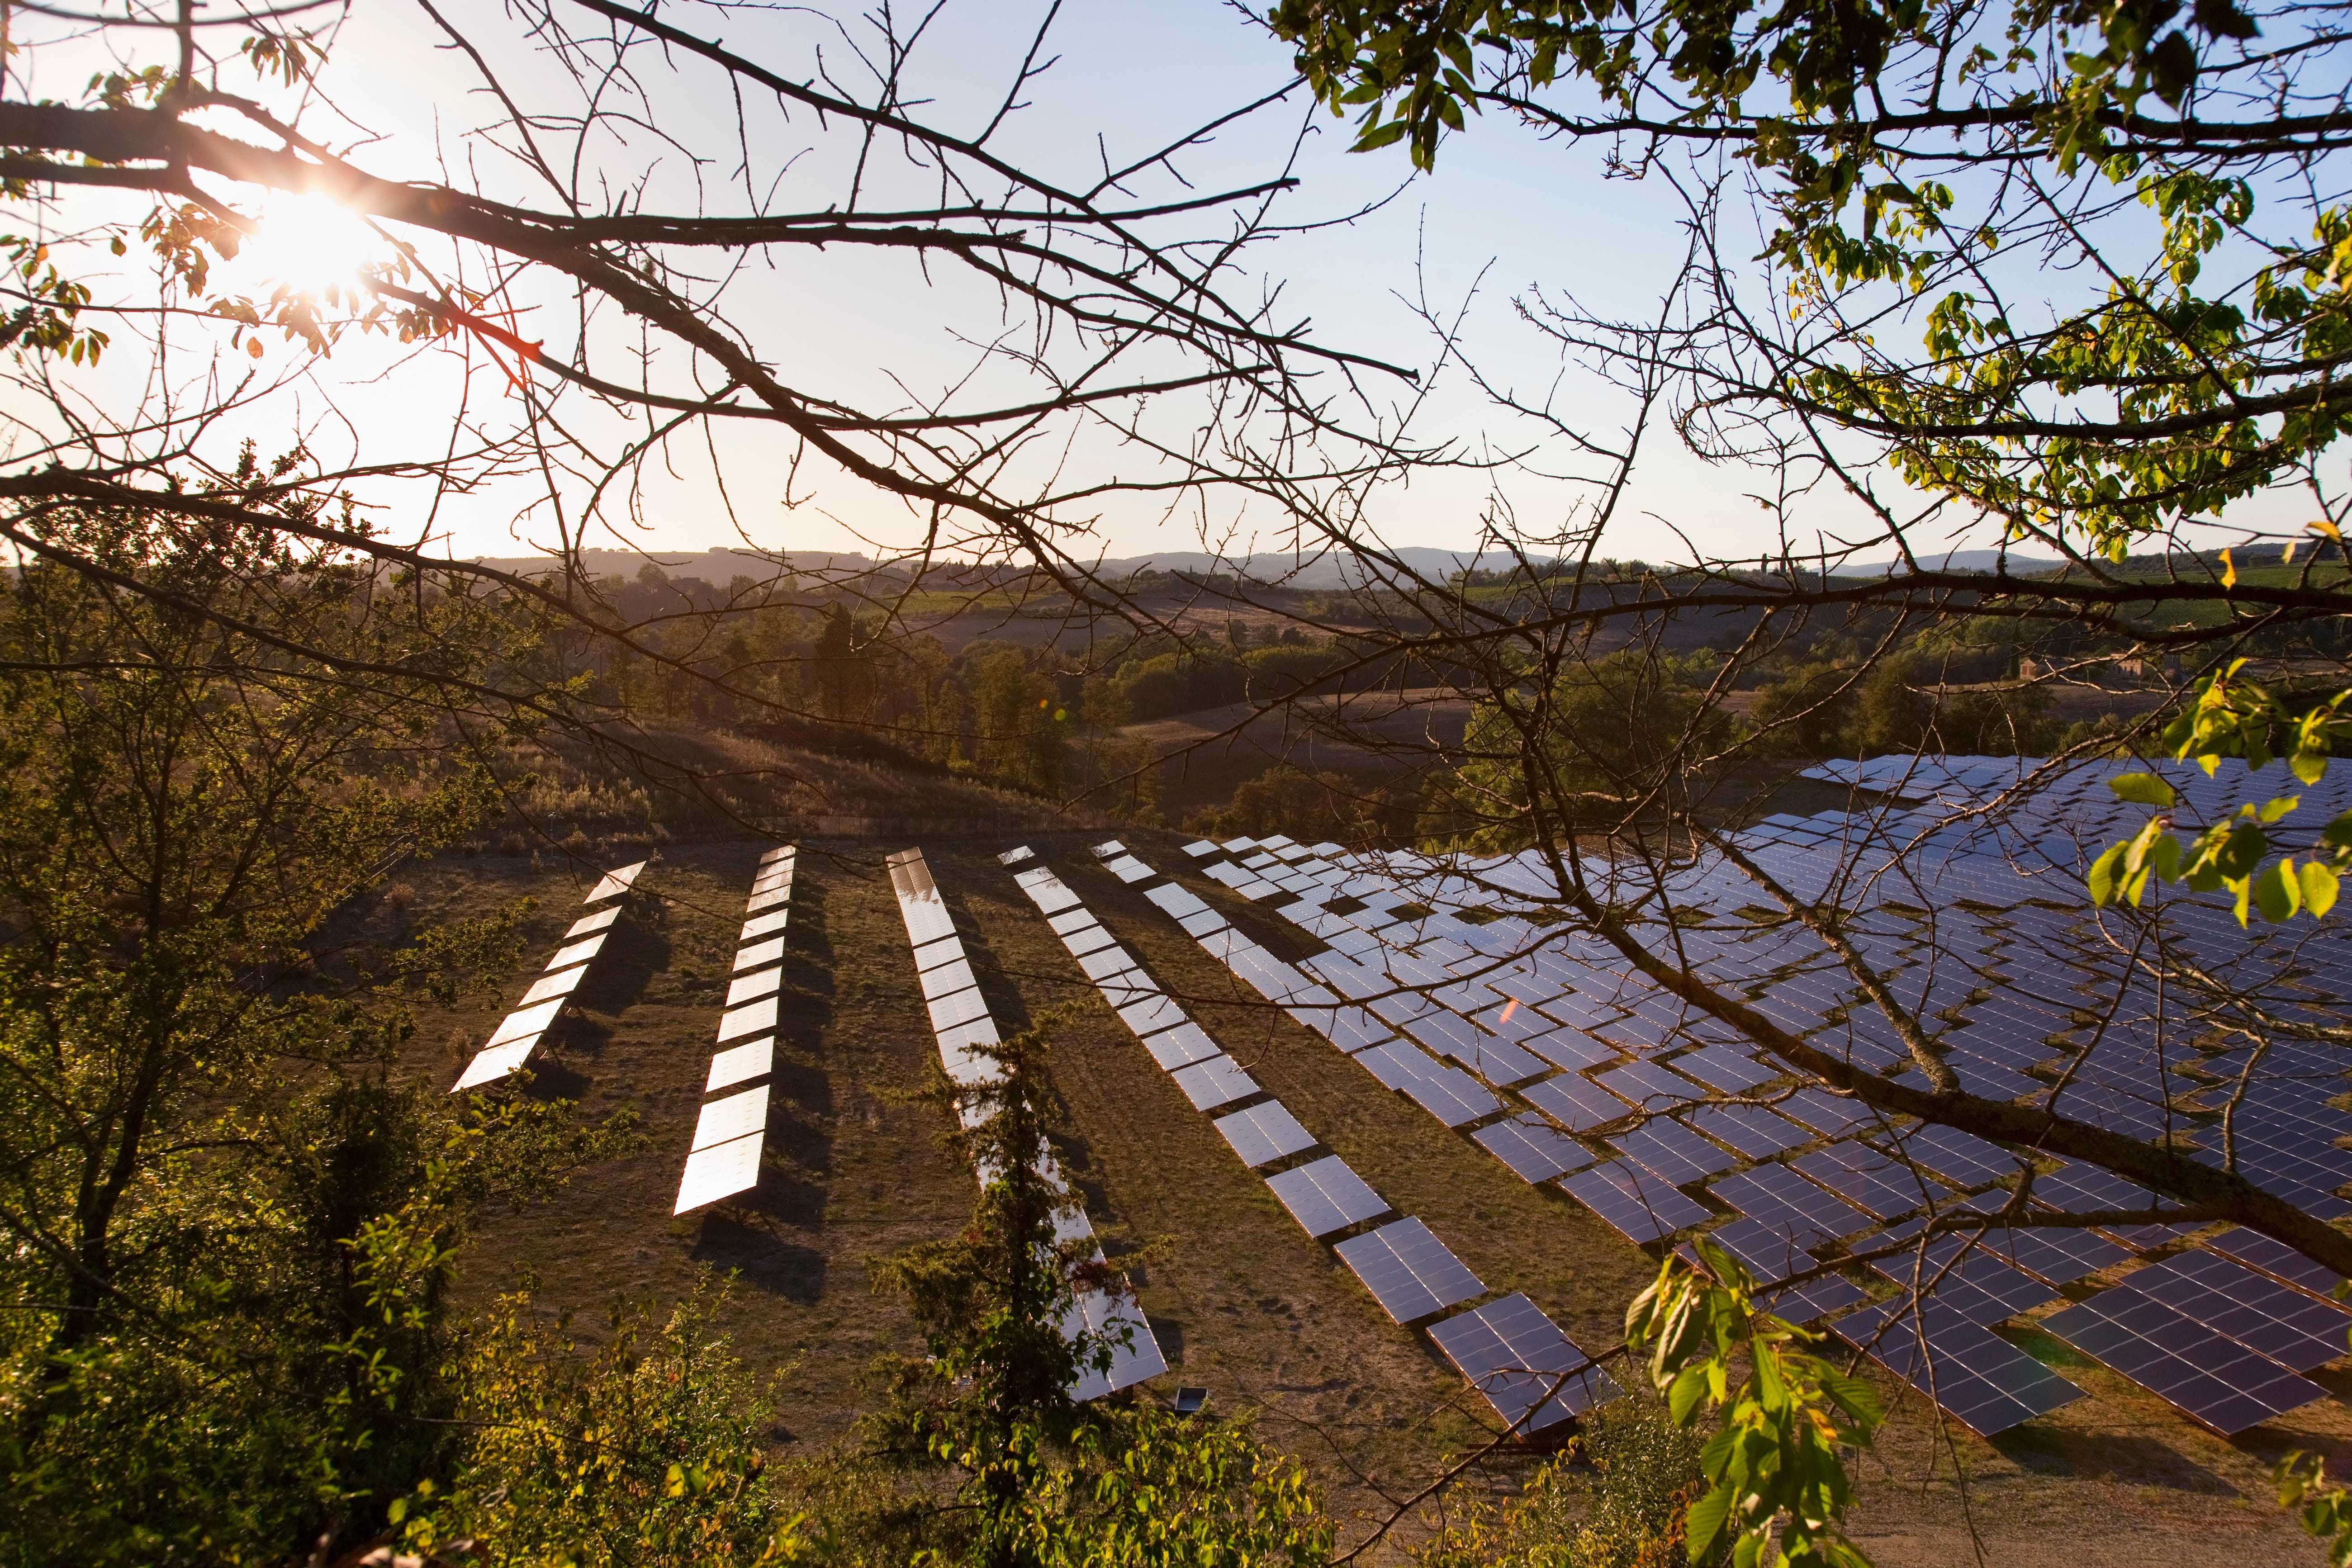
(1242, 1303)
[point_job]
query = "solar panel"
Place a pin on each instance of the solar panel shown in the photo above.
(525, 1022)
(1533, 1375)
(2276, 1260)
(1570, 1048)
(1152, 1014)
(1823, 1112)
(764, 925)
(1178, 901)
(615, 883)
(1966, 1279)
(943, 949)
(757, 1018)
(559, 984)
(1535, 1150)
(1962, 1158)
(1788, 1202)
(1650, 1086)
(946, 979)
(963, 1007)
(1071, 919)
(1673, 1152)
(2207, 1376)
(1106, 961)
(1408, 1271)
(1753, 1130)
(759, 954)
(737, 1116)
(1263, 1133)
(718, 1172)
(1325, 1196)
(1979, 1378)
(1015, 856)
(493, 1062)
(575, 952)
(1637, 1205)
(1575, 1104)
(2290, 1327)
(597, 921)
(1087, 939)
(1724, 1068)
(2060, 1255)
(741, 1064)
(1211, 1082)
(1863, 1175)
(1127, 868)
(1182, 1045)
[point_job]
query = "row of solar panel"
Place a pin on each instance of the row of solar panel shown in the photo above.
(730, 1133)
(518, 1034)
(964, 1028)
(1531, 1374)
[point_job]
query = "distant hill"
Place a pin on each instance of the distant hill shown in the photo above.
(716, 566)
(713, 566)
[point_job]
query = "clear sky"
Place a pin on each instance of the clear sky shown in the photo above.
(1506, 216)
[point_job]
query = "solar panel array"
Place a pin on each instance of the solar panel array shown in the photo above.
(730, 1133)
(961, 1023)
(1408, 1271)
(1576, 1071)
(520, 1032)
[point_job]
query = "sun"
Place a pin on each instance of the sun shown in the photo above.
(309, 244)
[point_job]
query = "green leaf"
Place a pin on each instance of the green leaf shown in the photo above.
(2102, 879)
(2319, 888)
(2143, 789)
(2277, 891)
(1705, 1521)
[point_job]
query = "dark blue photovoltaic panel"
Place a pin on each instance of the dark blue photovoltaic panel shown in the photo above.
(1863, 1175)
(1570, 1048)
(1724, 1067)
(1650, 1086)
(1535, 1148)
(1639, 1206)
(1979, 1378)
(1529, 1371)
(1823, 1112)
(1959, 1157)
(2060, 1255)
(1754, 1130)
(2077, 1188)
(1325, 1196)
(2277, 1259)
(1784, 1201)
(1263, 1133)
(1966, 1279)
(1408, 1271)
(1673, 1152)
(2291, 1328)
(1574, 1103)
(2210, 1376)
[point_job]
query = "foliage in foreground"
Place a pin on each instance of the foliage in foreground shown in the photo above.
(1616, 1499)
(1777, 1490)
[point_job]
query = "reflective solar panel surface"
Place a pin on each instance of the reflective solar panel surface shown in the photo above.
(1532, 1374)
(1408, 1271)
(1981, 1379)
